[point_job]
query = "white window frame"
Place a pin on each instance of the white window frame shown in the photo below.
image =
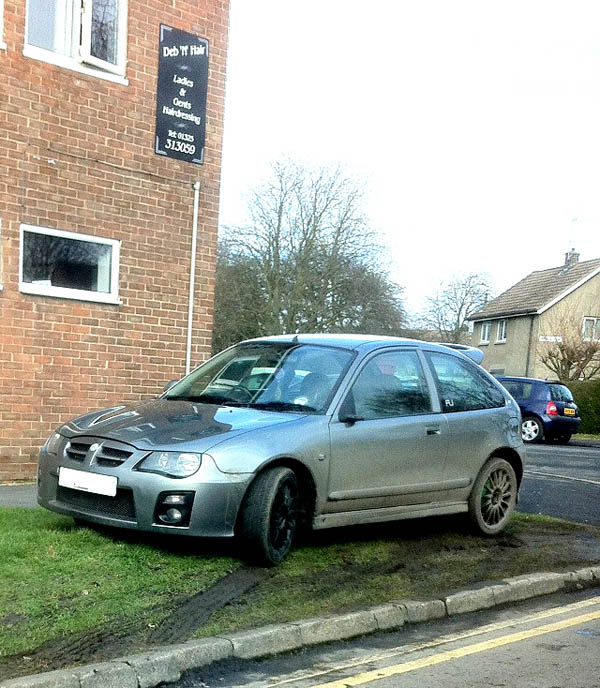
(111, 297)
(595, 326)
(485, 332)
(2, 43)
(501, 331)
(1, 287)
(79, 22)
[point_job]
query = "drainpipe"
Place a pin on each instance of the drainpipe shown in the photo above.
(188, 348)
(529, 346)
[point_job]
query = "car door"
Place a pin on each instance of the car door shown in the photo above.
(478, 419)
(388, 440)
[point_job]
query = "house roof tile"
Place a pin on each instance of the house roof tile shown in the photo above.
(537, 290)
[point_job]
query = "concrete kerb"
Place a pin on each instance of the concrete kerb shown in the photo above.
(165, 664)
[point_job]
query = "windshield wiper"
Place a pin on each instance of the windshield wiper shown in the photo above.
(218, 399)
(282, 406)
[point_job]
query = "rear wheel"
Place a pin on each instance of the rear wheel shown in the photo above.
(493, 497)
(532, 430)
(269, 516)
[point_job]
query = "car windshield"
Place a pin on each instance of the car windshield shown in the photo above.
(277, 376)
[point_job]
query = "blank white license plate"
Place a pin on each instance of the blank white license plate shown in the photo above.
(87, 482)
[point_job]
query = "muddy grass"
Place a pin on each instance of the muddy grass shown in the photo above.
(338, 570)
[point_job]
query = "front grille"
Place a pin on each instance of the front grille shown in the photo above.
(77, 450)
(106, 453)
(111, 456)
(121, 506)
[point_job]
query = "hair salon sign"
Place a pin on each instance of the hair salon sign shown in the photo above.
(181, 95)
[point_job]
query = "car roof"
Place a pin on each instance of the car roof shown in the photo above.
(368, 342)
(529, 379)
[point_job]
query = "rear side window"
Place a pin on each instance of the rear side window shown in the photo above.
(461, 386)
(519, 390)
(560, 393)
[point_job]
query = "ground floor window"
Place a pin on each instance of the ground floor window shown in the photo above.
(68, 265)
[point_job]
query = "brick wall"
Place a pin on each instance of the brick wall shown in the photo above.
(77, 154)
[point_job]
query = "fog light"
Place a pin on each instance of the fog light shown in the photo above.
(171, 516)
(174, 509)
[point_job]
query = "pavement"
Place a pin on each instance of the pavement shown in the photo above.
(168, 663)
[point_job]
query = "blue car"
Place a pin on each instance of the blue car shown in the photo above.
(548, 410)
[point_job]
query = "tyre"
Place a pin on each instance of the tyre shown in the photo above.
(493, 497)
(269, 516)
(532, 430)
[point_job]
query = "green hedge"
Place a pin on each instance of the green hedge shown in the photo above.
(587, 397)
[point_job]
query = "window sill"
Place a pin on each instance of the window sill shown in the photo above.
(500, 341)
(69, 63)
(484, 343)
(70, 294)
(3, 45)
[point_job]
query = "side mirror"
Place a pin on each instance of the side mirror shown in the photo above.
(170, 384)
(349, 418)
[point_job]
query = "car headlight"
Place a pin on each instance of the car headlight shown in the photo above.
(52, 443)
(171, 464)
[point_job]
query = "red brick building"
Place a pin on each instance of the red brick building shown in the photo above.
(96, 227)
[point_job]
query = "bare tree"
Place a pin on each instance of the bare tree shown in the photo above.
(447, 310)
(565, 349)
(314, 260)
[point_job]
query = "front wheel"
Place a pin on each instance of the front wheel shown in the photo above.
(270, 516)
(493, 497)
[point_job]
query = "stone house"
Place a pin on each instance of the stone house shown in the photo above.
(543, 309)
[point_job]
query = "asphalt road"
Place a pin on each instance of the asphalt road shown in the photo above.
(548, 642)
(562, 481)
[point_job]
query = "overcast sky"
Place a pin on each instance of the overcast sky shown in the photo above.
(474, 124)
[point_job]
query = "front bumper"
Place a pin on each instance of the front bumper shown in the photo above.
(216, 497)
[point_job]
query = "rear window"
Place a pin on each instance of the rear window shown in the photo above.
(560, 393)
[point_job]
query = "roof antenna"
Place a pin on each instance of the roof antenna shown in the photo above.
(295, 339)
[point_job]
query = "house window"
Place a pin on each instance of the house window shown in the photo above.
(68, 265)
(485, 333)
(591, 329)
(86, 34)
(501, 332)
(0, 252)
(2, 43)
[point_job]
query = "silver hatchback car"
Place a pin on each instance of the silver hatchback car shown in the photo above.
(284, 432)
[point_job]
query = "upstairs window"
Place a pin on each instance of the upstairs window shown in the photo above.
(74, 33)
(68, 265)
(501, 332)
(591, 329)
(485, 332)
(2, 43)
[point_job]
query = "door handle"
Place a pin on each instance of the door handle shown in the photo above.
(434, 431)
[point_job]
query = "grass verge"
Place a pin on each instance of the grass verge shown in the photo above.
(61, 581)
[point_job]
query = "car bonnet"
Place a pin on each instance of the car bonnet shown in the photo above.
(177, 425)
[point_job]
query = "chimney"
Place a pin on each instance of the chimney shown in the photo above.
(571, 258)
